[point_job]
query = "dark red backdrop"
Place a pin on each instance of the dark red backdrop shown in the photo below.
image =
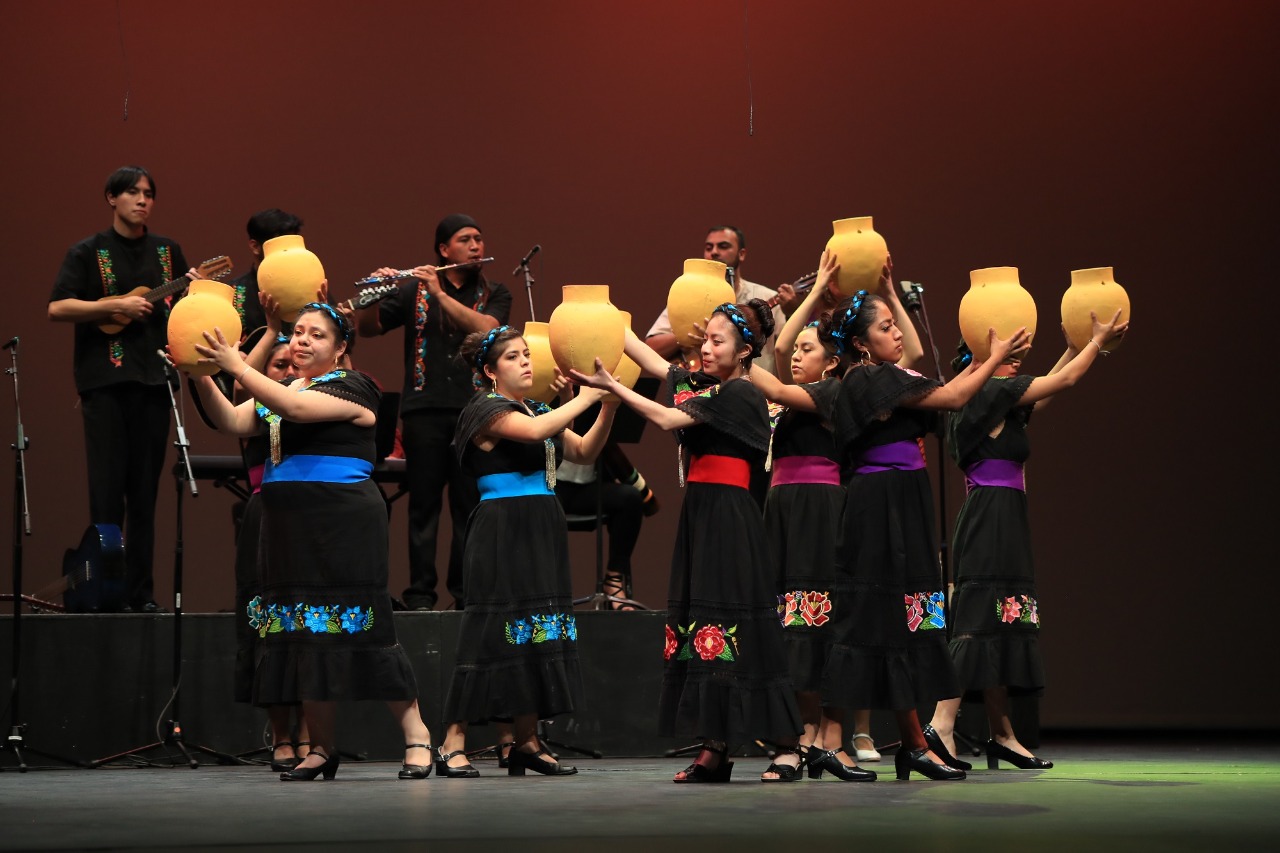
(1048, 137)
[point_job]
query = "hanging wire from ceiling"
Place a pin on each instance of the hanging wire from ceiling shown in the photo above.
(746, 50)
(124, 57)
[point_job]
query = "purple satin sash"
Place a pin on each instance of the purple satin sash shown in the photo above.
(995, 472)
(898, 456)
(805, 469)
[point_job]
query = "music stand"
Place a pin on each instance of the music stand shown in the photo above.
(173, 735)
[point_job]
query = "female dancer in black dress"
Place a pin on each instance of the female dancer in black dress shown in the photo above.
(995, 612)
(888, 554)
(726, 675)
(325, 615)
(517, 648)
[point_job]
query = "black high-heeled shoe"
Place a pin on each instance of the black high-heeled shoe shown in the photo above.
(785, 772)
(306, 774)
(503, 750)
(996, 752)
(520, 761)
(699, 773)
(283, 765)
(907, 760)
(416, 771)
(934, 740)
(444, 771)
(829, 759)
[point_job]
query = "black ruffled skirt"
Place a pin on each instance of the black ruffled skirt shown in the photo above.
(891, 647)
(802, 524)
(726, 675)
(518, 644)
(324, 615)
(996, 614)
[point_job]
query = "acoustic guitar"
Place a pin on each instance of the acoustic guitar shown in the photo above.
(215, 268)
(93, 575)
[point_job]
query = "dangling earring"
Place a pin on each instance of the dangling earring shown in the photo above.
(494, 382)
(864, 356)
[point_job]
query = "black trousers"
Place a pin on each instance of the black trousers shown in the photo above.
(430, 466)
(126, 436)
(623, 505)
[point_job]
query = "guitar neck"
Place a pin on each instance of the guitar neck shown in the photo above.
(155, 294)
(801, 285)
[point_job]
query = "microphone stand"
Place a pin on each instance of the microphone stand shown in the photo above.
(173, 735)
(913, 295)
(15, 742)
(528, 276)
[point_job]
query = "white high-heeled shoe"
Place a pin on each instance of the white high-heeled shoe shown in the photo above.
(864, 754)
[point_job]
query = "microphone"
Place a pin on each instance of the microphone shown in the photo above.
(524, 262)
(911, 294)
(12, 343)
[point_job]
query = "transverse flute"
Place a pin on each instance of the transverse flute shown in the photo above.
(399, 274)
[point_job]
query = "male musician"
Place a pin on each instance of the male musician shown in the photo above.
(728, 245)
(120, 377)
(262, 226)
(437, 311)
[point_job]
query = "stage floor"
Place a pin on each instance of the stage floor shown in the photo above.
(1189, 795)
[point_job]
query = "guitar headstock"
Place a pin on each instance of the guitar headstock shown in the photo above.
(805, 281)
(370, 295)
(215, 268)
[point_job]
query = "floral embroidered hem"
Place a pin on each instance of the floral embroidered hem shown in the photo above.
(542, 629)
(804, 607)
(316, 618)
(711, 642)
(1018, 608)
(925, 611)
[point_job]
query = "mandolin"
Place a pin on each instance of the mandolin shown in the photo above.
(215, 268)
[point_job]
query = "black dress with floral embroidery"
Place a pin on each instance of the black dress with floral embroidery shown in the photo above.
(802, 523)
(518, 644)
(726, 675)
(891, 646)
(324, 614)
(995, 613)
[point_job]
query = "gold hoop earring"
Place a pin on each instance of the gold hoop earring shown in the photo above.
(864, 356)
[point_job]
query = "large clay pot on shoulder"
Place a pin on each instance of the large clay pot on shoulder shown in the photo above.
(699, 290)
(584, 327)
(996, 300)
(206, 306)
(862, 254)
(291, 273)
(1092, 290)
(537, 337)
